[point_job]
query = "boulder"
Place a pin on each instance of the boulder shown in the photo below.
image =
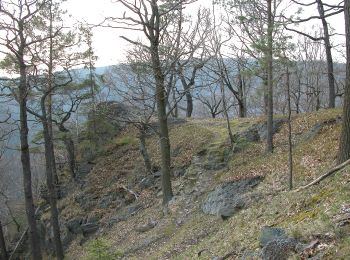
(74, 225)
(146, 227)
(229, 198)
(279, 249)
(89, 228)
(269, 234)
(258, 132)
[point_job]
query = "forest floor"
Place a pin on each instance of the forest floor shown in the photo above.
(184, 231)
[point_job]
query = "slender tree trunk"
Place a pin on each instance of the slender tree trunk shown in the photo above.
(290, 144)
(51, 187)
(269, 144)
(232, 140)
(3, 250)
(161, 101)
(49, 97)
(25, 159)
(189, 101)
(344, 145)
(241, 101)
(69, 144)
(144, 151)
(328, 47)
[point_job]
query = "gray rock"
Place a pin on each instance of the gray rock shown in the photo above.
(229, 198)
(269, 234)
(146, 227)
(74, 226)
(124, 214)
(258, 132)
(89, 228)
(147, 182)
(316, 129)
(279, 249)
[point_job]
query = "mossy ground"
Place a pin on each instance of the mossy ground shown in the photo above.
(304, 214)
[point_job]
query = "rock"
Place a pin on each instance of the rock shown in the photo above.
(229, 198)
(269, 234)
(279, 249)
(146, 227)
(124, 214)
(74, 226)
(107, 201)
(316, 129)
(147, 182)
(86, 201)
(258, 132)
(89, 228)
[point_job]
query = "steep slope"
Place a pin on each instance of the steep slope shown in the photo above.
(121, 204)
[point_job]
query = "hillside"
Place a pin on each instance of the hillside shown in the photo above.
(117, 213)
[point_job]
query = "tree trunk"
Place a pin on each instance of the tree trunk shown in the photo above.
(154, 30)
(70, 148)
(3, 250)
(69, 144)
(344, 146)
(189, 101)
(290, 145)
(241, 99)
(144, 151)
(269, 144)
(25, 159)
(232, 140)
(328, 47)
(49, 153)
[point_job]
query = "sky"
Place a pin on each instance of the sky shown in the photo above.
(110, 48)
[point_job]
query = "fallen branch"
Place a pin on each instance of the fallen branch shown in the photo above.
(327, 174)
(130, 191)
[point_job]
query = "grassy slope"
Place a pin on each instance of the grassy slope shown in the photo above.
(186, 231)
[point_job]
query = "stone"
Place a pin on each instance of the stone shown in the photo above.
(228, 198)
(258, 132)
(89, 228)
(269, 234)
(147, 182)
(74, 226)
(146, 227)
(279, 249)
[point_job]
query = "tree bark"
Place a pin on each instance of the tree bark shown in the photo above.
(3, 250)
(25, 159)
(328, 47)
(269, 144)
(344, 145)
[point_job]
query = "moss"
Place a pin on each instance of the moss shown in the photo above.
(301, 216)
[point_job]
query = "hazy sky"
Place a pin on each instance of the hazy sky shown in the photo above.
(110, 48)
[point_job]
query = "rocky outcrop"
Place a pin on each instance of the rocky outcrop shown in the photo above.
(258, 132)
(229, 198)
